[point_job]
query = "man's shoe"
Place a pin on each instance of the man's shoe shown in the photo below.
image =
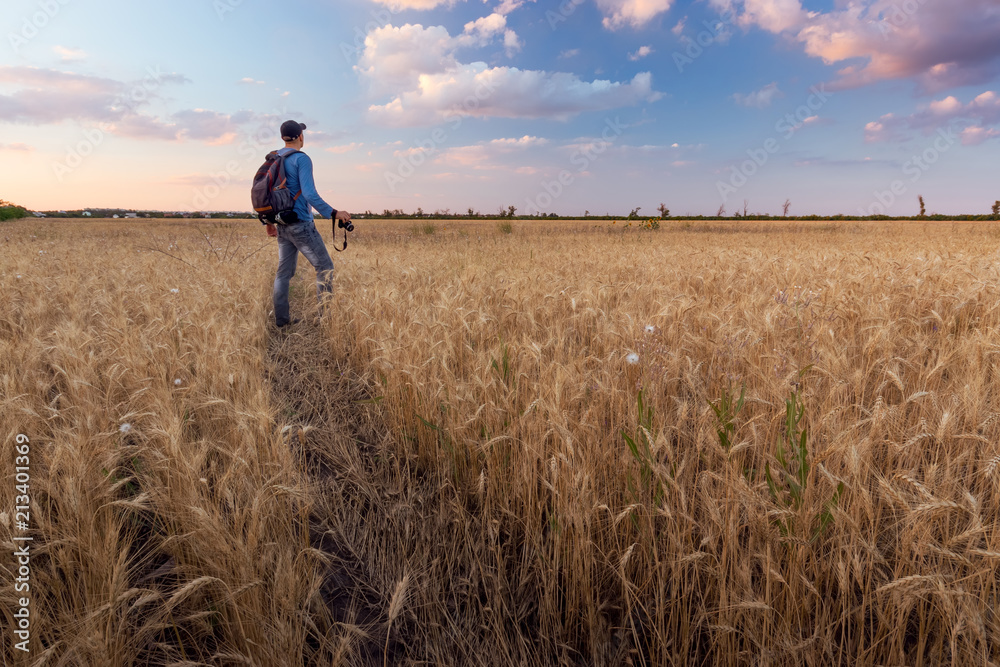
(295, 320)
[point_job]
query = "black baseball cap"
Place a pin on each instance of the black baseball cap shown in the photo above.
(290, 130)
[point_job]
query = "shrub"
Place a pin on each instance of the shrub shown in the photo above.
(10, 211)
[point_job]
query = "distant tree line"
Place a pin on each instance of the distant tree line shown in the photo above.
(11, 211)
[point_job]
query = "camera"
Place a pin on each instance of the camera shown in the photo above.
(345, 224)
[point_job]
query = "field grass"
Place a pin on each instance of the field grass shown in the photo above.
(547, 443)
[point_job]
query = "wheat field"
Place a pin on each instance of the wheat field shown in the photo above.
(535, 443)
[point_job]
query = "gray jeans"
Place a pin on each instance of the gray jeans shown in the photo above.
(292, 239)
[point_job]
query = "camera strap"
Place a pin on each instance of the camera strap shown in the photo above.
(334, 221)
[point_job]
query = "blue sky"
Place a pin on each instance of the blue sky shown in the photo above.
(588, 105)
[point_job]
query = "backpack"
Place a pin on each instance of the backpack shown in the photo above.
(272, 200)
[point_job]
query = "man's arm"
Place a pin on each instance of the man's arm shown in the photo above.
(308, 187)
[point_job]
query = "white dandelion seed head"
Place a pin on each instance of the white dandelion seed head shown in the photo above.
(175, 291)
(178, 382)
(632, 358)
(650, 329)
(19, 276)
(125, 428)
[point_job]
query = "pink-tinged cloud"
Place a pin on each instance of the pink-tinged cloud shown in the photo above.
(773, 15)
(17, 147)
(974, 121)
(346, 148)
(69, 55)
(211, 127)
(973, 136)
(46, 96)
(632, 13)
(142, 127)
(940, 44)
(492, 155)
(49, 96)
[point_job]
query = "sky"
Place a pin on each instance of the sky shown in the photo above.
(599, 106)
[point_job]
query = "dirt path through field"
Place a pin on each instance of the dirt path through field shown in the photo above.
(329, 428)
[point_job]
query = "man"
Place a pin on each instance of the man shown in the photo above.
(301, 236)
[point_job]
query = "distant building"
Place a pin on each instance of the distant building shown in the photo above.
(115, 215)
(131, 215)
(86, 214)
(37, 214)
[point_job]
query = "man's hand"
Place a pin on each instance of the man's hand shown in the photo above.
(272, 230)
(343, 215)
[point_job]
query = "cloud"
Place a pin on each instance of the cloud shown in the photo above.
(641, 53)
(632, 13)
(418, 66)
(526, 141)
(484, 30)
(773, 15)
(487, 27)
(508, 92)
(569, 53)
(396, 57)
(759, 99)
(211, 127)
(51, 96)
(974, 121)
(973, 136)
(490, 155)
(250, 81)
(347, 148)
(507, 6)
(321, 138)
(678, 29)
(69, 55)
(939, 44)
(511, 43)
(48, 96)
(17, 147)
(138, 126)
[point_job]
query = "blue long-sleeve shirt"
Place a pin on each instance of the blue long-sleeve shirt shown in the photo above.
(299, 172)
